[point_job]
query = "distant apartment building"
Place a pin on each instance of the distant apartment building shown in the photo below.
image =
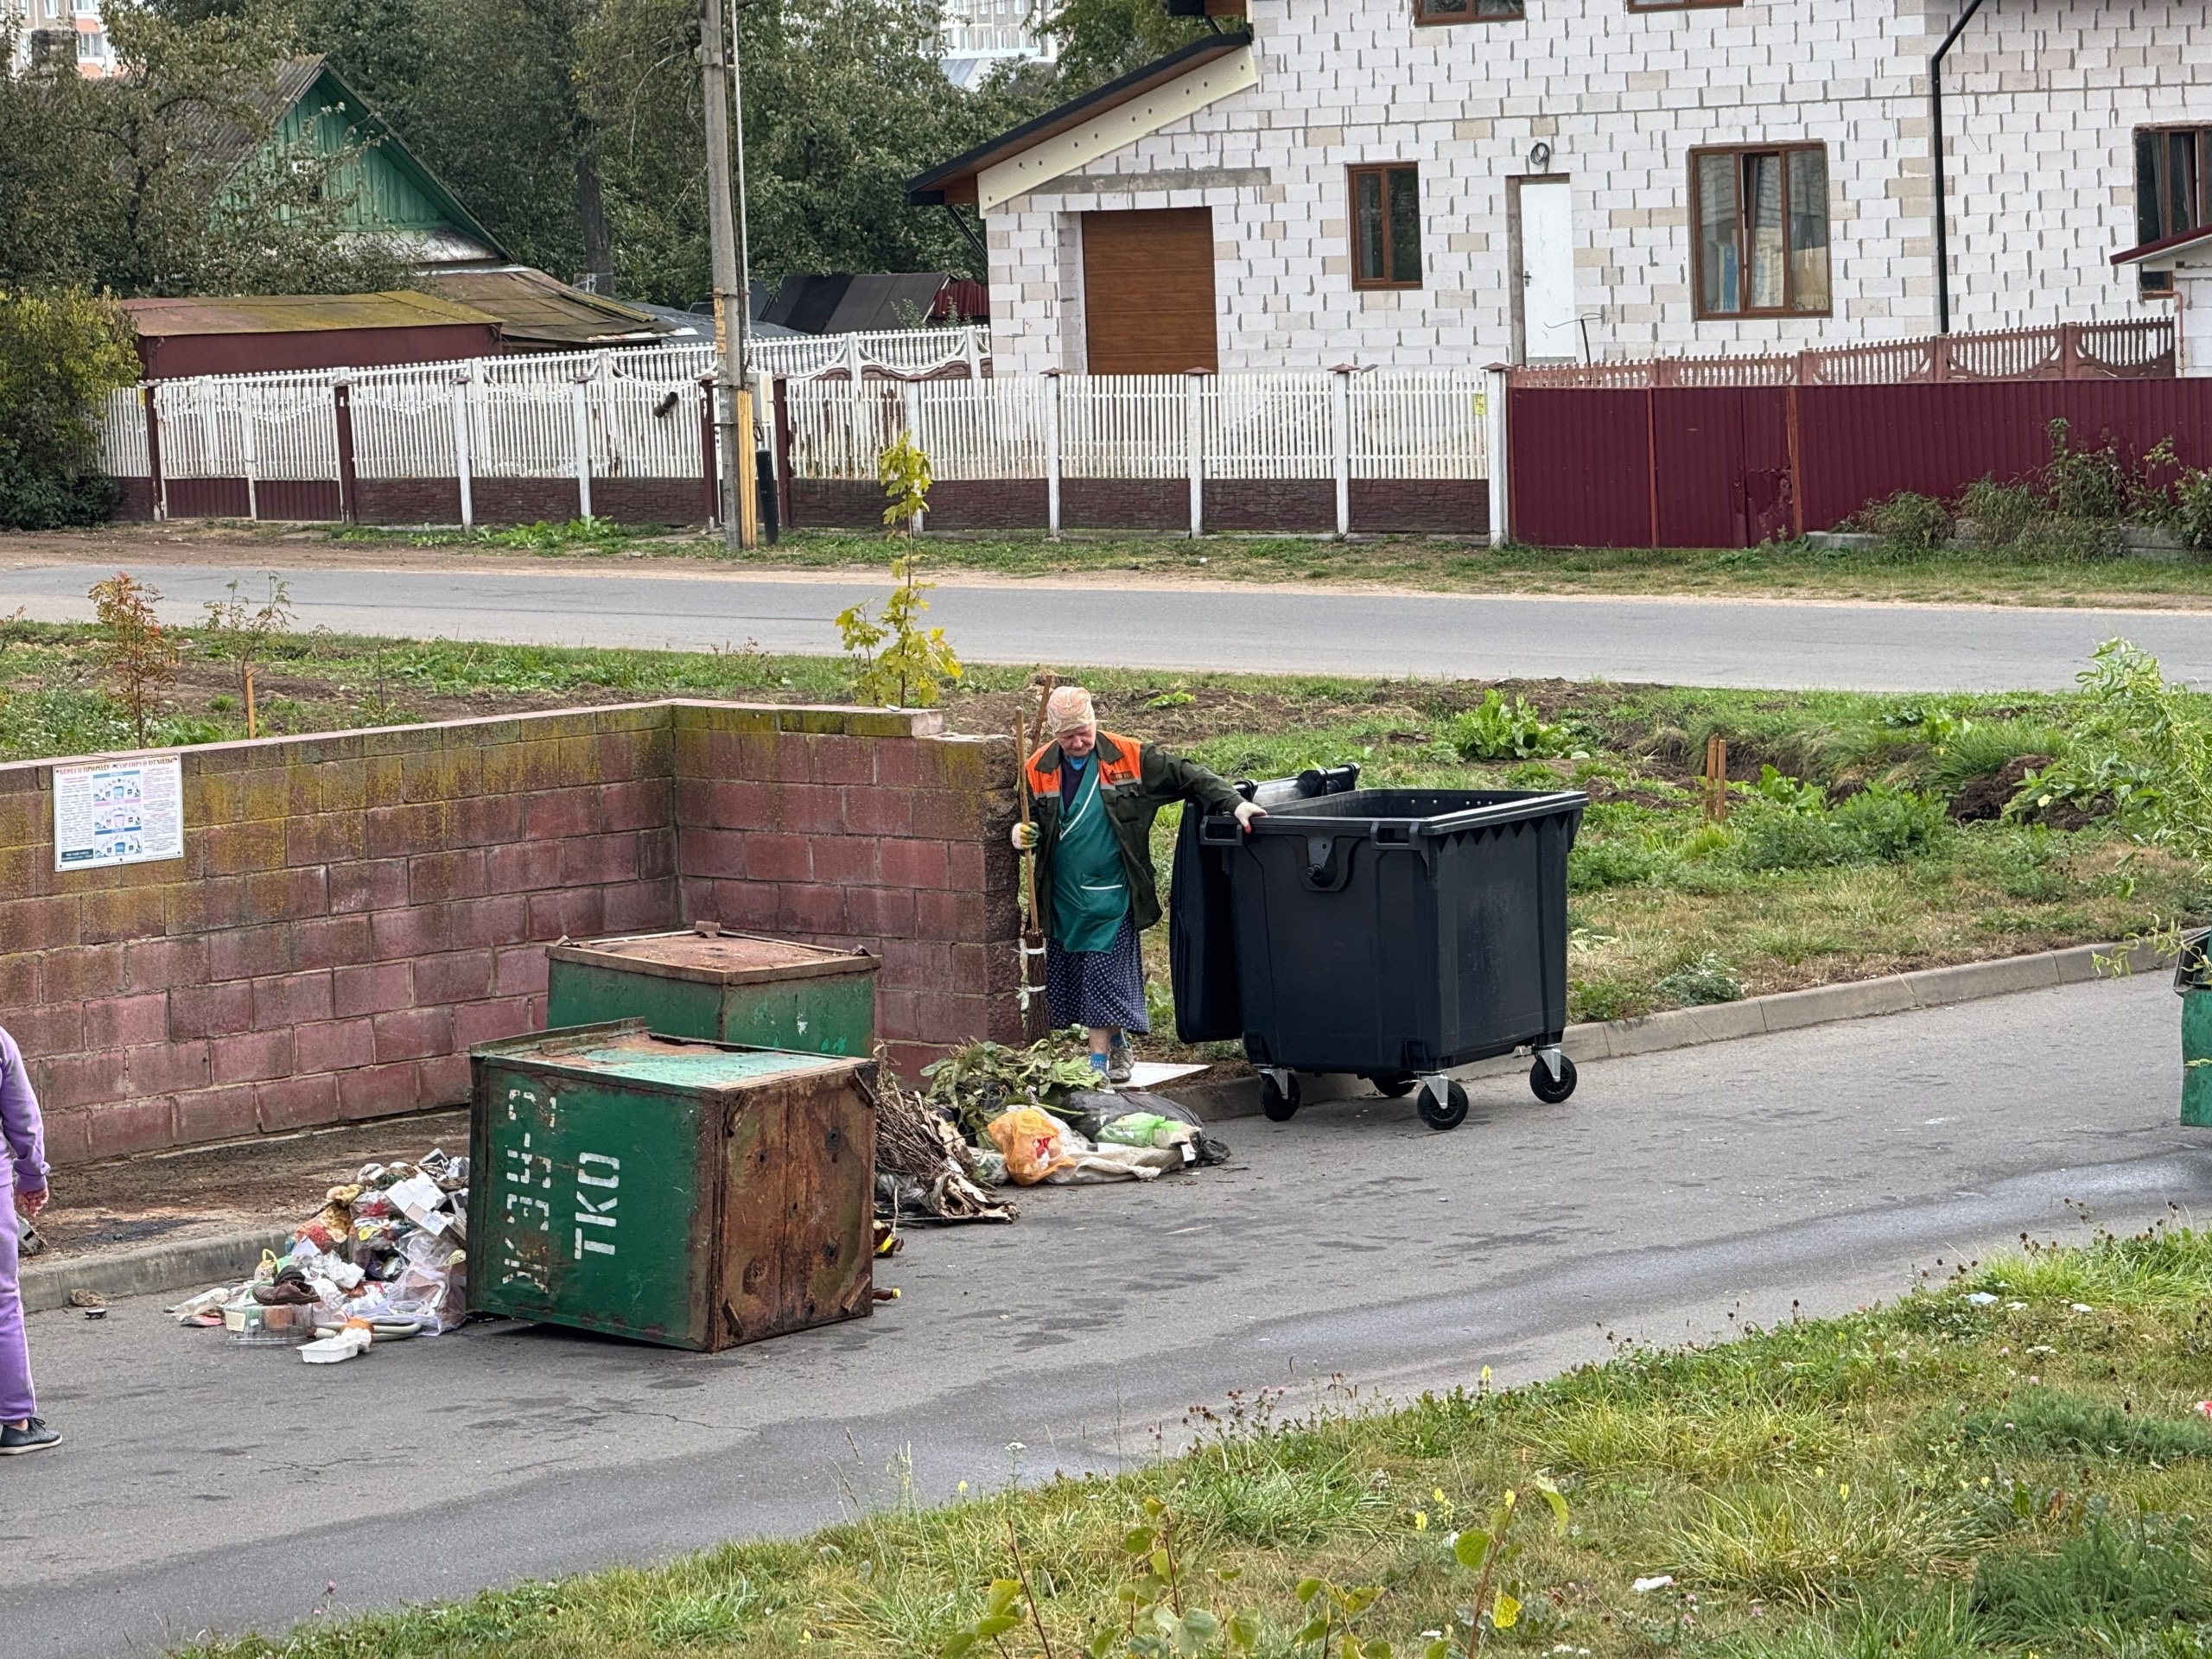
(981, 35)
(70, 28)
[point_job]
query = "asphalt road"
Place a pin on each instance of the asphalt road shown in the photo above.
(1197, 629)
(204, 1485)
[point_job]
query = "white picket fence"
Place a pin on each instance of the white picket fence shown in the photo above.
(644, 415)
(1382, 423)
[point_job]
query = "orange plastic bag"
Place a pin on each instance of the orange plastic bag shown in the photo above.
(1033, 1143)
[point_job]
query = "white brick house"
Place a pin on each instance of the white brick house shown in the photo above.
(1615, 177)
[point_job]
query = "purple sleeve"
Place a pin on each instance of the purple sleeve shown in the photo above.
(19, 1119)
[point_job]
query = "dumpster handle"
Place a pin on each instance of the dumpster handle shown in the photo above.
(1393, 835)
(1328, 862)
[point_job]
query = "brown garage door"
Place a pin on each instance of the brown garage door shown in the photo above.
(1147, 291)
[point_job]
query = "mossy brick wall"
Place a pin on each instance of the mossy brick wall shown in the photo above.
(861, 827)
(354, 911)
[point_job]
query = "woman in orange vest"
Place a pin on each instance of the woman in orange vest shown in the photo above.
(1095, 795)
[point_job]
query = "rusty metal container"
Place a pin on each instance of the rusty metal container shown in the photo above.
(699, 1195)
(728, 987)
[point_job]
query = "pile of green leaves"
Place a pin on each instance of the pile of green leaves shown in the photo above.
(979, 1080)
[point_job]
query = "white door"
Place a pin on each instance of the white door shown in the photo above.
(1548, 322)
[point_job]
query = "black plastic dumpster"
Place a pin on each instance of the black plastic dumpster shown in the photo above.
(1393, 934)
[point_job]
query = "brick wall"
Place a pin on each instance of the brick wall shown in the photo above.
(352, 912)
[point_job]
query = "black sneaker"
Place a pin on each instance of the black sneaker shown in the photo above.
(33, 1436)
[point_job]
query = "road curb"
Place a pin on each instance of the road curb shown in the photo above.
(1721, 1022)
(224, 1258)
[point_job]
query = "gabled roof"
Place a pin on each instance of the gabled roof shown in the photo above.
(955, 180)
(395, 190)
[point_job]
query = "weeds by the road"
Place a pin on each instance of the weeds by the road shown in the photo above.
(2009, 1462)
(1863, 838)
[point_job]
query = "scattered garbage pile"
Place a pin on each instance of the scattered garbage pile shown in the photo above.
(382, 1261)
(925, 1171)
(1036, 1114)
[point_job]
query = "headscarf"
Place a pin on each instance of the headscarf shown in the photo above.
(1068, 708)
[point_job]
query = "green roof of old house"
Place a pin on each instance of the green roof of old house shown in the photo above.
(391, 192)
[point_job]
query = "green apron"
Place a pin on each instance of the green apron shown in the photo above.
(1091, 893)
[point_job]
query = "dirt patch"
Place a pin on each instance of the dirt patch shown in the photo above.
(120, 1204)
(1985, 798)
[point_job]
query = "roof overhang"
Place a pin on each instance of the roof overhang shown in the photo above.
(1099, 122)
(2186, 247)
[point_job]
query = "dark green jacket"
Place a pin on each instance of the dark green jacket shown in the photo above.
(1135, 781)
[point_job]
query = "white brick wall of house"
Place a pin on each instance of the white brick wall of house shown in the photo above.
(2041, 100)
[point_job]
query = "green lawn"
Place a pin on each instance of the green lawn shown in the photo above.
(1846, 864)
(2022, 575)
(2008, 1464)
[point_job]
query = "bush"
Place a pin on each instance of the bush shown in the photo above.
(2192, 513)
(1885, 825)
(1785, 827)
(1498, 730)
(1910, 523)
(2086, 483)
(2000, 513)
(61, 352)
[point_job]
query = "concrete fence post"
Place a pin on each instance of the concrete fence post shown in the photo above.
(1340, 440)
(1499, 443)
(1052, 453)
(463, 464)
(581, 400)
(910, 414)
(248, 401)
(1194, 436)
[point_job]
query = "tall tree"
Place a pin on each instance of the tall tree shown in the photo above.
(845, 100)
(1101, 40)
(157, 182)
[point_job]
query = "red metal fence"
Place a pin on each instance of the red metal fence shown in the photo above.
(1734, 466)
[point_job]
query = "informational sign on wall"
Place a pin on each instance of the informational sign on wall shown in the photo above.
(126, 811)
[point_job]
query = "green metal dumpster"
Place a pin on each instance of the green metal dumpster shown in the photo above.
(694, 1194)
(727, 988)
(2193, 981)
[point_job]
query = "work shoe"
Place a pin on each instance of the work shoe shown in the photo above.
(33, 1436)
(1121, 1061)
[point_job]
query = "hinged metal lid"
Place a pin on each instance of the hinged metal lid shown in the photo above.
(712, 955)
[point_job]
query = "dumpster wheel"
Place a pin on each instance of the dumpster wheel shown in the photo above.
(1447, 1112)
(1395, 1085)
(1545, 1087)
(1279, 1101)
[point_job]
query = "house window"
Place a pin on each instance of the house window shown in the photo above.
(1759, 226)
(1677, 5)
(1468, 11)
(2173, 189)
(1385, 227)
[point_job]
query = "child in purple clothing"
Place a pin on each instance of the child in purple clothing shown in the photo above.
(23, 1173)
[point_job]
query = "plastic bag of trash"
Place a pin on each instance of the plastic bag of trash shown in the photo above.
(1135, 1129)
(1110, 1162)
(1034, 1143)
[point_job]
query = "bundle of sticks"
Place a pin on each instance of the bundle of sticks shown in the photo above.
(924, 1170)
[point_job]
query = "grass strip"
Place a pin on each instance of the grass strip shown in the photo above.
(1850, 859)
(2020, 572)
(2007, 1461)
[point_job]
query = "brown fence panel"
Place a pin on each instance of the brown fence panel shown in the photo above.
(1860, 444)
(1581, 467)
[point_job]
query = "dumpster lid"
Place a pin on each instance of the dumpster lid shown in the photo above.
(712, 954)
(625, 1049)
(1395, 815)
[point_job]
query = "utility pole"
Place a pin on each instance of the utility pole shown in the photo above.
(732, 398)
